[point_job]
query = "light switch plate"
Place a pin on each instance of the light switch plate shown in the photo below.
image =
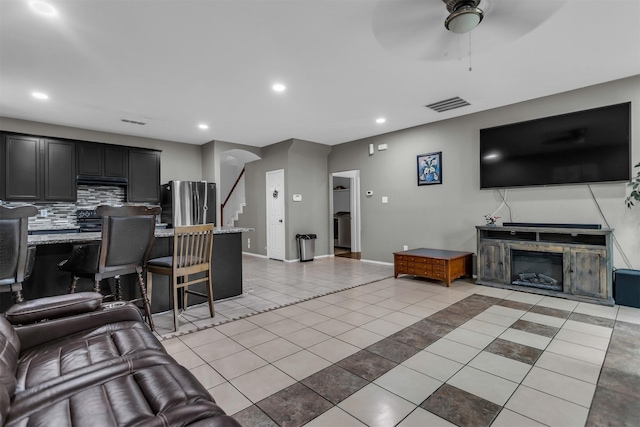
(385, 199)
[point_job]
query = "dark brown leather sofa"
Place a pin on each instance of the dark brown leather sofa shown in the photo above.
(72, 361)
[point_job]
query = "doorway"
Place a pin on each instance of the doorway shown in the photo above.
(346, 214)
(275, 214)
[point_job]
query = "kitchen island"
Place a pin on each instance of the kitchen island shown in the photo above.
(51, 249)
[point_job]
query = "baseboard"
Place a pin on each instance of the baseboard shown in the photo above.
(377, 262)
(255, 255)
(315, 257)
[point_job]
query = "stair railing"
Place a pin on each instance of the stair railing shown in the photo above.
(229, 196)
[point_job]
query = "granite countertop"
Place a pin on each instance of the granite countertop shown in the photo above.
(70, 227)
(47, 227)
(50, 239)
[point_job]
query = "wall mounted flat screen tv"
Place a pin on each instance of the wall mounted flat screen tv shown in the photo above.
(582, 147)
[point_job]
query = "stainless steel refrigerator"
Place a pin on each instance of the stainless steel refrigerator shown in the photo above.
(188, 203)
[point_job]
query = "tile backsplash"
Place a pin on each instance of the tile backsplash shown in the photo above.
(90, 196)
(61, 215)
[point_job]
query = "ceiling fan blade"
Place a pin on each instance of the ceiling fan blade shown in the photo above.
(507, 21)
(411, 28)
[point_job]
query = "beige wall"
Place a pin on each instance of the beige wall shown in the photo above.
(444, 216)
(178, 161)
(441, 216)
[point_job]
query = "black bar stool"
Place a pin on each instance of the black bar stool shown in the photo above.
(16, 257)
(127, 238)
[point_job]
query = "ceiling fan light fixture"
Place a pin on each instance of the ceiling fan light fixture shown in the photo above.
(464, 19)
(464, 15)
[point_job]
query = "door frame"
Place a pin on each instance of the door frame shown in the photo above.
(354, 202)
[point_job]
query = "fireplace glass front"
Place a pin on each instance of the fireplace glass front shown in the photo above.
(537, 269)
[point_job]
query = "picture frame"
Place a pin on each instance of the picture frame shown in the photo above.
(429, 168)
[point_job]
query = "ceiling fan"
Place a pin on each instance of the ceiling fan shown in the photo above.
(465, 15)
(414, 28)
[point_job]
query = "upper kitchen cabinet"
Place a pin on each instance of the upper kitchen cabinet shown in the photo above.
(2, 163)
(22, 161)
(116, 162)
(144, 176)
(38, 169)
(101, 160)
(59, 170)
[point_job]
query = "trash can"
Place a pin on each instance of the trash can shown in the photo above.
(626, 287)
(306, 246)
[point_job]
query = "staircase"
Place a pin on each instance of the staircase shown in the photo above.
(234, 203)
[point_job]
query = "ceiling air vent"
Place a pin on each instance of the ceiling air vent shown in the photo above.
(133, 122)
(448, 104)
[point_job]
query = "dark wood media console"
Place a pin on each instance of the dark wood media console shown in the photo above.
(573, 263)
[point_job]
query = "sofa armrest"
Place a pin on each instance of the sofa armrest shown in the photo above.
(37, 333)
(55, 307)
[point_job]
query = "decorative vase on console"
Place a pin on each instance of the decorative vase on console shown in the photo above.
(490, 220)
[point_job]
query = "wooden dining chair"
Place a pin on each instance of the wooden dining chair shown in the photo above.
(192, 247)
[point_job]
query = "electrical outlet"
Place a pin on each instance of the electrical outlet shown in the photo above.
(44, 213)
(248, 243)
(405, 248)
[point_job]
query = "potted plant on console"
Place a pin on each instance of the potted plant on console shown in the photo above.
(635, 189)
(627, 281)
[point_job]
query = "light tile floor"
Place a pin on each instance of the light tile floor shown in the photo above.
(268, 284)
(411, 352)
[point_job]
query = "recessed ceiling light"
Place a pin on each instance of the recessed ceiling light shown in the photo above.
(203, 126)
(39, 95)
(43, 8)
(279, 87)
(381, 120)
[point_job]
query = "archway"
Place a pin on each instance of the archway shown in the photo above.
(231, 183)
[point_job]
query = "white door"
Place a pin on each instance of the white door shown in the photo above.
(275, 214)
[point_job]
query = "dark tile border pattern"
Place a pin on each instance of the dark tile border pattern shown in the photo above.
(614, 403)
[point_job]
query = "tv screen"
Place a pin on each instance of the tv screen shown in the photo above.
(582, 147)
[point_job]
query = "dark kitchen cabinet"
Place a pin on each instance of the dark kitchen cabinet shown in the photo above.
(39, 169)
(2, 164)
(23, 172)
(102, 160)
(59, 170)
(116, 162)
(144, 176)
(90, 159)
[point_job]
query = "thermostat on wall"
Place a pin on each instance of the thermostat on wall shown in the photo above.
(297, 197)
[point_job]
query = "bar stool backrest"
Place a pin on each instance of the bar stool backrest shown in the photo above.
(127, 236)
(14, 223)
